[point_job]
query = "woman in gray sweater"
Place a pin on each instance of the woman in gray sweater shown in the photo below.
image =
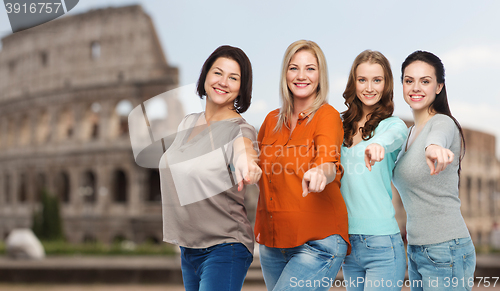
(441, 255)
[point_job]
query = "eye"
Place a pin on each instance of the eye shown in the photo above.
(233, 78)
(425, 81)
(311, 69)
(218, 73)
(293, 69)
(361, 80)
(377, 80)
(408, 81)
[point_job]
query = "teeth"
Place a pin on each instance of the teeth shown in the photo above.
(301, 85)
(220, 91)
(369, 96)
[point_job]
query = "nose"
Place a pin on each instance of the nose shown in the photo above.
(301, 75)
(369, 88)
(223, 81)
(416, 87)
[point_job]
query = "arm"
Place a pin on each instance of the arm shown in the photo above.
(389, 140)
(246, 165)
(328, 140)
(437, 145)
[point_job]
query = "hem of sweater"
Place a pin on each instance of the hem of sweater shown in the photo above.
(250, 247)
(370, 226)
(434, 242)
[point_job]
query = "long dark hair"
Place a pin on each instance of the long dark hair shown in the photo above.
(383, 109)
(440, 104)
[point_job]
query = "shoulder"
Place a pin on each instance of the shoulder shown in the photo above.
(272, 117)
(442, 120)
(327, 109)
(392, 121)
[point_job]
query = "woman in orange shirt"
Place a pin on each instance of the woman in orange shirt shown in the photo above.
(301, 222)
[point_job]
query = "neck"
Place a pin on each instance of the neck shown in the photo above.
(217, 113)
(422, 116)
(301, 104)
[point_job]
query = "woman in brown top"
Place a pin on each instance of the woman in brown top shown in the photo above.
(203, 176)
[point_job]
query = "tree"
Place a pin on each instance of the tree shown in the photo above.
(47, 223)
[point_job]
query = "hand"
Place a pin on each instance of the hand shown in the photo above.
(373, 153)
(438, 158)
(314, 180)
(247, 171)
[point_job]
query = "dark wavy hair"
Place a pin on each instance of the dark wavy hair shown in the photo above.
(242, 102)
(440, 104)
(383, 109)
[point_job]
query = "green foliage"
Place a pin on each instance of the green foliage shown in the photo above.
(47, 223)
(64, 248)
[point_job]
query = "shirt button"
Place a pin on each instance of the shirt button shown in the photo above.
(271, 198)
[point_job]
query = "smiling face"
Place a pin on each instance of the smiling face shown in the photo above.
(420, 85)
(302, 76)
(370, 84)
(222, 84)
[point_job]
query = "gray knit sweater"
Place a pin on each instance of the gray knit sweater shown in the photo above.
(431, 202)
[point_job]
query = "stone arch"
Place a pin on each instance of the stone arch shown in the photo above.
(62, 184)
(65, 124)
(91, 124)
(22, 193)
(43, 130)
(24, 131)
(154, 190)
(119, 186)
(6, 185)
(40, 185)
(119, 118)
(11, 133)
(88, 188)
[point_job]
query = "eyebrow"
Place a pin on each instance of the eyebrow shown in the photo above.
(360, 76)
(292, 64)
(406, 76)
(229, 74)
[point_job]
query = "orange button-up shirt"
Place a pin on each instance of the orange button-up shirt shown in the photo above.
(285, 219)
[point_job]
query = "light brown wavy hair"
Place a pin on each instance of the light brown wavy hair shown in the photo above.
(383, 109)
(286, 110)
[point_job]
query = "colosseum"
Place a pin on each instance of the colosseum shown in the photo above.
(66, 88)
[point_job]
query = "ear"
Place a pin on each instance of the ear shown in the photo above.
(439, 88)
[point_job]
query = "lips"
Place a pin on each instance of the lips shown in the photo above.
(416, 98)
(301, 85)
(220, 91)
(370, 96)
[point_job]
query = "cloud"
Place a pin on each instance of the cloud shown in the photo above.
(463, 58)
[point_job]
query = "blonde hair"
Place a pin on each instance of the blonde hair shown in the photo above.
(286, 110)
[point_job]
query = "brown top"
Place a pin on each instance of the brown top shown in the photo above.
(201, 203)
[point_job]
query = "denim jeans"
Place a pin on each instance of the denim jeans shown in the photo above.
(376, 262)
(444, 266)
(221, 267)
(311, 266)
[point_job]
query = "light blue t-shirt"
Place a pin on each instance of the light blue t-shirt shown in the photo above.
(368, 194)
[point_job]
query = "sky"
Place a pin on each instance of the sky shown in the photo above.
(464, 34)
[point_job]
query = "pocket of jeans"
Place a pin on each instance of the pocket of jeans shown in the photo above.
(439, 255)
(328, 247)
(378, 242)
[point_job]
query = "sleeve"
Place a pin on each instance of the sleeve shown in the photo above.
(328, 140)
(249, 132)
(393, 137)
(441, 132)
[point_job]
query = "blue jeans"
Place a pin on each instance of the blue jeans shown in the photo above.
(444, 266)
(311, 266)
(376, 262)
(220, 267)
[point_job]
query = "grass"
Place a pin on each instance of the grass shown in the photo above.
(123, 248)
